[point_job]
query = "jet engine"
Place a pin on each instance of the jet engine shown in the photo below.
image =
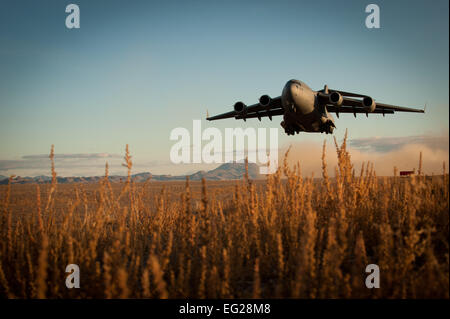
(369, 104)
(265, 100)
(336, 98)
(239, 107)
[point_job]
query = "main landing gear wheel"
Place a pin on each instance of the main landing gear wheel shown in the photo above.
(328, 127)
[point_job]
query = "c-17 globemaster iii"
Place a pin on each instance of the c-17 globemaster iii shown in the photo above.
(306, 110)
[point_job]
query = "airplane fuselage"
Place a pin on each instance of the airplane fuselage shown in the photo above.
(303, 111)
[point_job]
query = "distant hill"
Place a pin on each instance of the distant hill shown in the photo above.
(227, 171)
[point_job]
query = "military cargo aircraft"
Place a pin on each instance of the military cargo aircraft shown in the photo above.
(306, 110)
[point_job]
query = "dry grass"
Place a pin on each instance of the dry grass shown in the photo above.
(292, 237)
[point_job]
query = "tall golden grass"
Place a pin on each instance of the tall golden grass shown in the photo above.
(288, 236)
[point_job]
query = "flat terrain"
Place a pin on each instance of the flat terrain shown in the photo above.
(289, 237)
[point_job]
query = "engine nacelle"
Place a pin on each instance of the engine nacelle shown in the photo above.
(336, 98)
(239, 107)
(265, 100)
(368, 104)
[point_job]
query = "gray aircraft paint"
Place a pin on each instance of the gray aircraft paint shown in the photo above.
(306, 110)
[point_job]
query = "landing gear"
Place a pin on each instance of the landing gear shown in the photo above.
(327, 127)
(290, 129)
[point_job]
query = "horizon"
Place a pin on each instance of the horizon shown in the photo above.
(433, 168)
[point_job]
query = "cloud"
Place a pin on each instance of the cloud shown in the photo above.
(72, 156)
(43, 161)
(66, 164)
(87, 164)
(384, 153)
(388, 144)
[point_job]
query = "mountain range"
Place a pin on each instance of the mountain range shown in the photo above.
(227, 171)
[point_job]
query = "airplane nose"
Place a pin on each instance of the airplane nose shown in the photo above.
(294, 89)
(290, 95)
(291, 91)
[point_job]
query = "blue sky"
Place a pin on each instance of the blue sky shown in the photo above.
(137, 69)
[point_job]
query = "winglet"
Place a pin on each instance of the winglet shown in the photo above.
(424, 108)
(207, 114)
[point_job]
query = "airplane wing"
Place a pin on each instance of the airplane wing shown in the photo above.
(222, 116)
(259, 115)
(343, 93)
(354, 110)
(273, 108)
(352, 105)
(398, 108)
